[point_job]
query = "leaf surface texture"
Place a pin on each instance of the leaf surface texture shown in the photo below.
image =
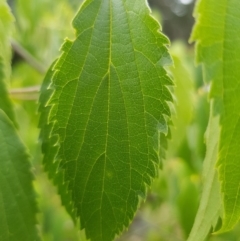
(108, 111)
(49, 148)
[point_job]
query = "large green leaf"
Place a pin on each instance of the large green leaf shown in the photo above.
(108, 111)
(218, 48)
(17, 198)
(210, 204)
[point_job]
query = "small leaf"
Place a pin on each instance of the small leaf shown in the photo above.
(210, 204)
(218, 49)
(17, 198)
(108, 112)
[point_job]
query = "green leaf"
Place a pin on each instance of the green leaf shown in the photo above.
(218, 48)
(46, 128)
(17, 198)
(108, 111)
(6, 26)
(210, 204)
(49, 149)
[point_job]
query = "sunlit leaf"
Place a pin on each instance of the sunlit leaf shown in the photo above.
(218, 49)
(108, 111)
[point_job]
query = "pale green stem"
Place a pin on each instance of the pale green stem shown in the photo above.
(28, 93)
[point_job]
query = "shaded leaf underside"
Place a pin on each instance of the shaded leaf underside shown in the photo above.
(108, 111)
(218, 49)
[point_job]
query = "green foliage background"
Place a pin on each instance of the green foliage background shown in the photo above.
(173, 200)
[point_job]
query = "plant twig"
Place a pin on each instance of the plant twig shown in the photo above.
(28, 57)
(31, 97)
(27, 93)
(26, 90)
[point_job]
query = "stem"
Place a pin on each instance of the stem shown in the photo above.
(28, 93)
(27, 90)
(32, 61)
(32, 97)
